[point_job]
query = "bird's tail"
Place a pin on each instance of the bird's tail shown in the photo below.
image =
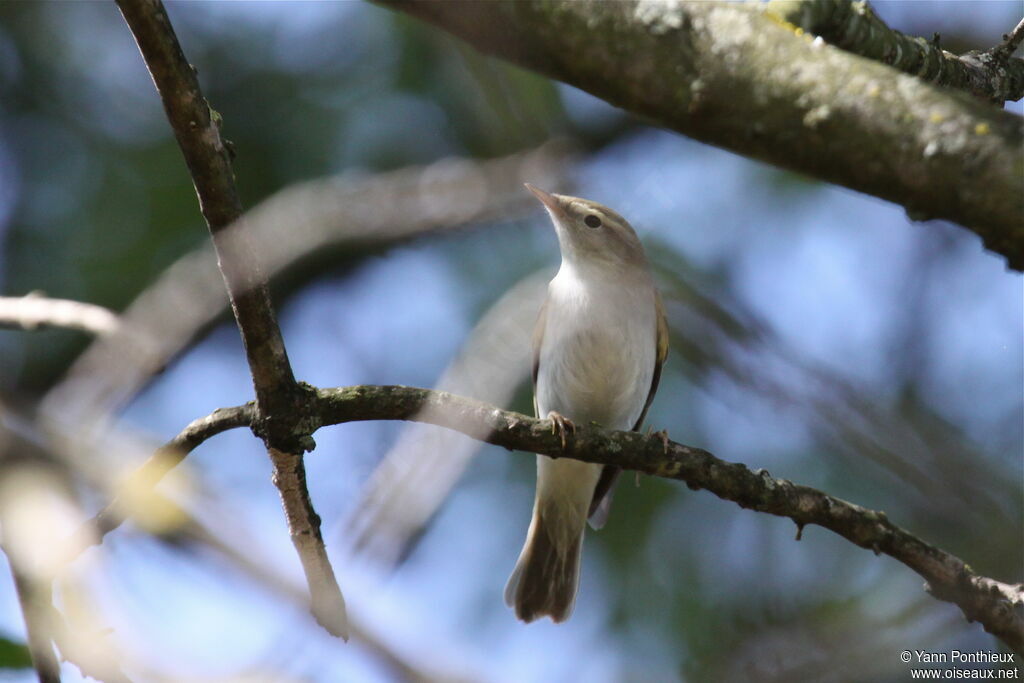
(547, 574)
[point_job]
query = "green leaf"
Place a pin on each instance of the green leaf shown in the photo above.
(14, 655)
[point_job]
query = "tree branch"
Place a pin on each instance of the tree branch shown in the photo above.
(197, 129)
(998, 606)
(393, 659)
(163, 460)
(34, 311)
(327, 605)
(1011, 41)
(992, 75)
(729, 75)
(36, 605)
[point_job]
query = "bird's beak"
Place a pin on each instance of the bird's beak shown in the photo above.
(550, 201)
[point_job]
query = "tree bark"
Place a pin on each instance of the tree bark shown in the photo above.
(993, 75)
(734, 76)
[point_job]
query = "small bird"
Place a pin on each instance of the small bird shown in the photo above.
(598, 348)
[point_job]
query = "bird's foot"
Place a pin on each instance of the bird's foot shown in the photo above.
(663, 436)
(562, 426)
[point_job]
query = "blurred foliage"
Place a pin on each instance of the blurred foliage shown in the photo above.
(14, 655)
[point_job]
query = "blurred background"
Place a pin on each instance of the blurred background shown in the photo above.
(816, 333)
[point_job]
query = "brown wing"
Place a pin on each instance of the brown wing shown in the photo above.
(600, 504)
(659, 360)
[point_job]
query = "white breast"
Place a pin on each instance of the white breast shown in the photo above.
(599, 348)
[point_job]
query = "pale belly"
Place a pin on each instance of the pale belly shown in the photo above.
(597, 366)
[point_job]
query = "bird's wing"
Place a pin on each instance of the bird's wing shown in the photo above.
(600, 504)
(659, 359)
(538, 338)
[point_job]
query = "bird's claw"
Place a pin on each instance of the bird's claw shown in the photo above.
(663, 436)
(562, 426)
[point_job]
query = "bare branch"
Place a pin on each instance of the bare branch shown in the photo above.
(34, 311)
(166, 458)
(1011, 41)
(197, 129)
(326, 601)
(730, 75)
(36, 606)
(998, 606)
(406, 668)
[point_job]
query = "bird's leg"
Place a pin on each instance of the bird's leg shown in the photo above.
(562, 426)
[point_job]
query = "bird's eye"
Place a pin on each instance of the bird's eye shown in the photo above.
(592, 221)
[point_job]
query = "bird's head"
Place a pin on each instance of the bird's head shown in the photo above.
(591, 233)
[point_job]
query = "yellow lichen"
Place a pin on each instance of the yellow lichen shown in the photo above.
(781, 21)
(935, 117)
(982, 129)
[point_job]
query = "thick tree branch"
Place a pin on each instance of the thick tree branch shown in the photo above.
(998, 606)
(730, 75)
(993, 75)
(197, 129)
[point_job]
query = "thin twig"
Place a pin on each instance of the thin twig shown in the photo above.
(1012, 41)
(998, 606)
(144, 479)
(405, 668)
(326, 601)
(35, 609)
(34, 311)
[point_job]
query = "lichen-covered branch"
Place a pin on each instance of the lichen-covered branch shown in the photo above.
(998, 606)
(197, 129)
(993, 75)
(733, 76)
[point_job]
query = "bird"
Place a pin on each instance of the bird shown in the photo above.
(599, 344)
